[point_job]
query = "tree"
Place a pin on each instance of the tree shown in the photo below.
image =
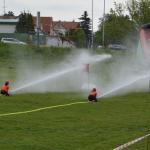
(139, 11)
(10, 14)
(86, 26)
(78, 36)
(25, 24)
(118, 26)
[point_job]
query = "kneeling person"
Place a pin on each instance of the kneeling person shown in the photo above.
(92, 95)
(5, 88)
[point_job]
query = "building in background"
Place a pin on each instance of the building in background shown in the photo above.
(52, 30)
(62, 27)
(46, 25)
(8, 24)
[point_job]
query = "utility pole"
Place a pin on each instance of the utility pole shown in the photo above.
(4, 7)
(38, 28)
(103, 38)
(92, 26)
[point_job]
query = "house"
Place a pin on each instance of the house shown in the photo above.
(8, 24)
(61, 27)
(46, 25)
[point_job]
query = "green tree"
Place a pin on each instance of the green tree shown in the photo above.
(10, 14)
(117, 26)
(139, 11)
(25, 24)
(78, 36)
(86, 26)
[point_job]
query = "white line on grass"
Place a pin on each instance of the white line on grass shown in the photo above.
(131, 142)
(39, 109)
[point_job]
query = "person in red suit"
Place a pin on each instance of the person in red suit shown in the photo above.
(93, 95)
(5, 89)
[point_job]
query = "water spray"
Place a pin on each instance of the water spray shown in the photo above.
(92, 60)
(125, 85)
(54, 75)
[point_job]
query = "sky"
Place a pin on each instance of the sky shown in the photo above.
(65, 10)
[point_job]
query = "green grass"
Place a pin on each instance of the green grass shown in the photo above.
(91, 126)
(141, 145)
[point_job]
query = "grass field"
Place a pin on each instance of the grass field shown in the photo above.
(88, 126)
(91, 126)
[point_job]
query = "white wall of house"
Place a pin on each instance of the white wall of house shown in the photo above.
(56, 41)
(7, 28)
(59, 28)
(53, 41)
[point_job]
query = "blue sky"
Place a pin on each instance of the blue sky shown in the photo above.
(65, 10)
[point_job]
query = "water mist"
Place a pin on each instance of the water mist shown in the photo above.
(69, 75)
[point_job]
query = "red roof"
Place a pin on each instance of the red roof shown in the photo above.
(46, 23)
(8, 17)
(71, 25)
(68, 24)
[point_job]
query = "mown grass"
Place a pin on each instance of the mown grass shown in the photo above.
(141, 145)
(91, 126)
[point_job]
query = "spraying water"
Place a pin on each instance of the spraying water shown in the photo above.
(79, 66)
(125, 85)
(122, 74)
(54, 75)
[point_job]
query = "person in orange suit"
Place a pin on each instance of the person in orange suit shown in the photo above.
(5, 89)
(92, 95)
